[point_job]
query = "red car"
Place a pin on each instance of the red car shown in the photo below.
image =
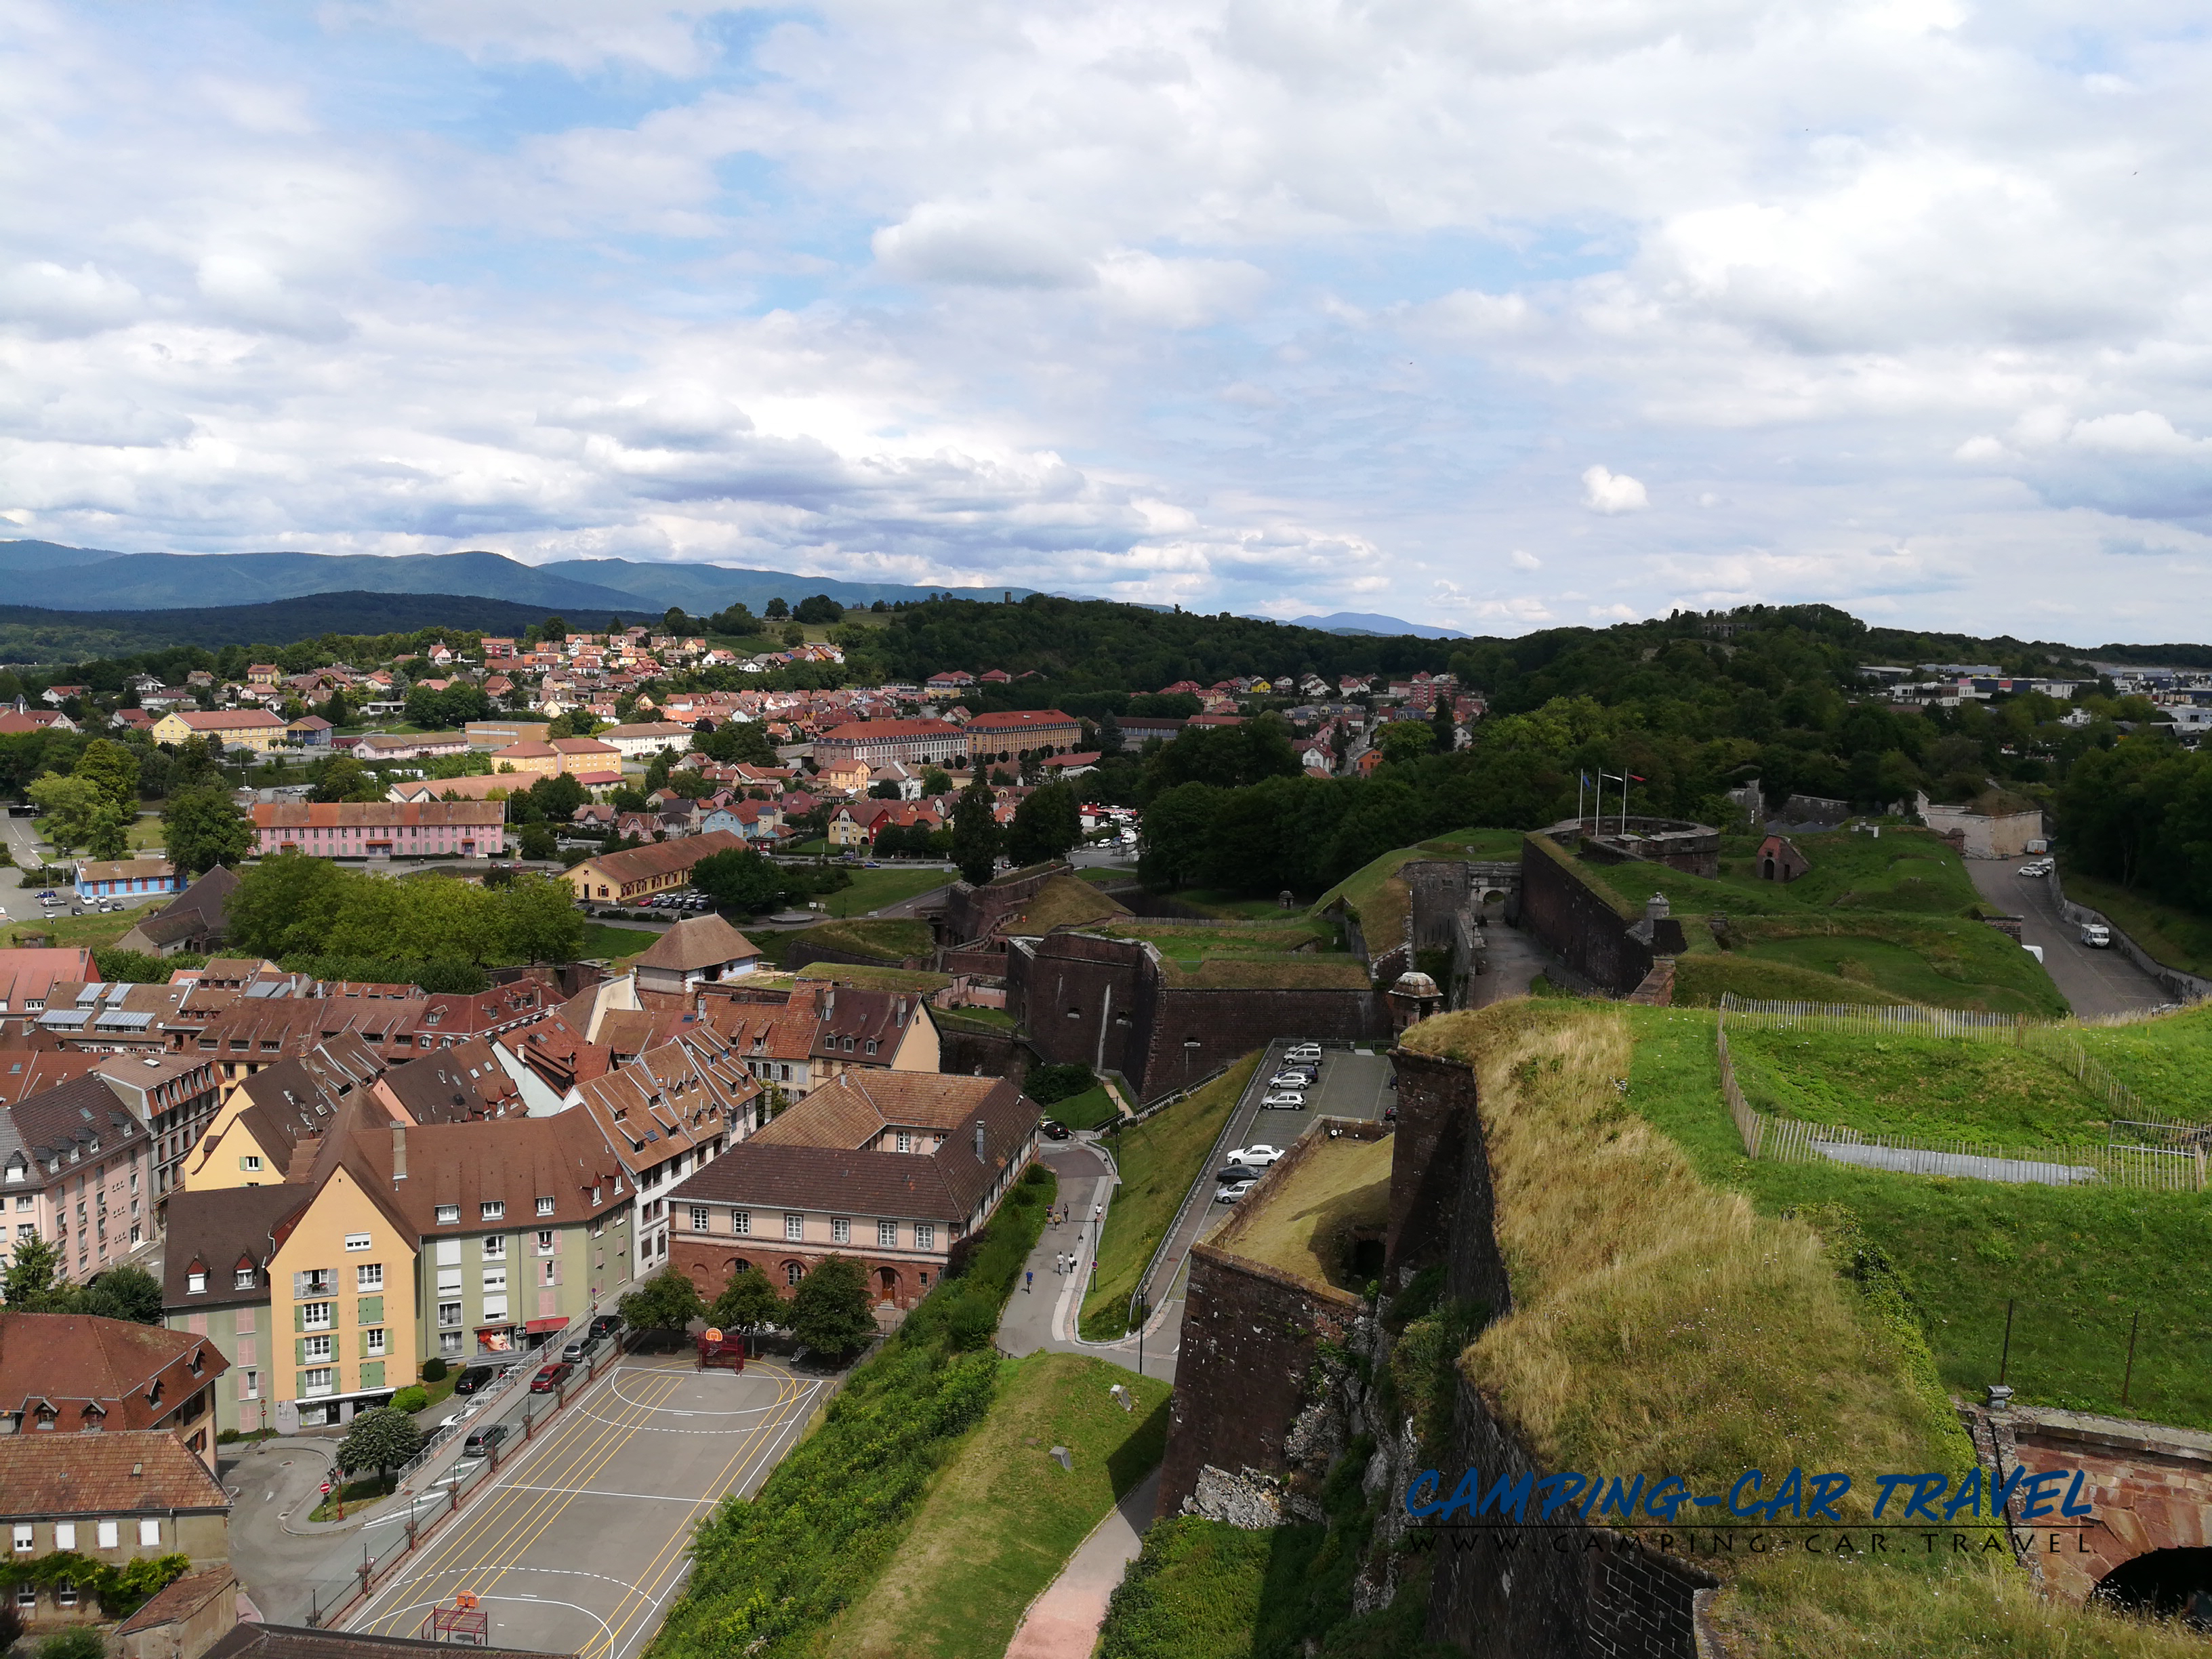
(549, 1378)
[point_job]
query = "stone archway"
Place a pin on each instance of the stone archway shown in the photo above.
(888, 1287)
(2162, 1583)
(2150, 1486)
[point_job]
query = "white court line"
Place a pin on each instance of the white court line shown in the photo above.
(600, 1492)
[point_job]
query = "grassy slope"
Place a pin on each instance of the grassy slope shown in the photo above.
(2078, 1261)
(1091, 1109)
(893, 940)
(1003, 1517)
(1158, 1159)
(1613, 1238)
(2179, 938)
(873, 889)
(2168, 1060)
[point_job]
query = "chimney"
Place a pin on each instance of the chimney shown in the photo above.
(979, 1140)
(398, 1154)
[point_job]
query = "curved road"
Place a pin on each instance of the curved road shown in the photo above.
(2094, 982)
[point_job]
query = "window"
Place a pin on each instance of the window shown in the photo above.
(449, 1279)
(111, 1534)
(449, 1313)
(27, 1596)
(251, 1162)
(841, 1231)
(252, 1387)
(872, 1045)
(794, 1226)
(741, 1223)
(545, 1244)
(491, 1210)
(545, 1207)
(243, 1279)
(793, 1273)
(369, 1276)
(495, 1279)
(64, 1591)
(358, 1240)
(698, 1218)
(887, 1235)
(449, 1252)
(547, 1276)
(25, 1537)
(317, 1381)
(449, 1342)
(316, 1347)
(906, 1140)
(495, 1247)
(315, 1315)
(375, 1346)
(195, 1284)
(449, 1215)
(65, 1534)
(149, 1531)
(925, 1238)
(317, 1281)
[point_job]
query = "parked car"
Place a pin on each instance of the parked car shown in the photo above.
(1230, 1192)
(1052, 1129)
(452, 1417)
(579, 1351)
(2096, 935)
(481, 1442)
(1288, 1098)
(604, 1325)
(1310, 1052)
(1258, 1156)
(551, 1377)
(1291, 1080)
(474, 1377)
(2040, 867)
(1234, 1173)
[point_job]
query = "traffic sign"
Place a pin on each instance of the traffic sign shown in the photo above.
(326, 1489)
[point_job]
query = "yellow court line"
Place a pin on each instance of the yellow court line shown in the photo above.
(790, 1393)
(499, 1512)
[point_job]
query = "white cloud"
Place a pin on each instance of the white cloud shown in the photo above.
(1612, 492)
(1526, 561)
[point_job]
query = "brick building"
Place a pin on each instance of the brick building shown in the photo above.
(872, 744)
(891, 1169)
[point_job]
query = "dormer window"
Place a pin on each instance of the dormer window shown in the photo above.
(196, 1282)
(492, 1211)
(243, 1279)
(449, 1215)
(545, 1207)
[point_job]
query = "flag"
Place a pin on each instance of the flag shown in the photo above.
(1632, 778)
(1585, 780)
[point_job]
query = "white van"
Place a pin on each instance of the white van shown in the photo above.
(2096, 935)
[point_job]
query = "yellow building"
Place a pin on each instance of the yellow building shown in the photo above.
(250, 728)
(342, 1295)
(540, 759)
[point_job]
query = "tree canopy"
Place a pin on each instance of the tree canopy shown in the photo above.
(830, 1311)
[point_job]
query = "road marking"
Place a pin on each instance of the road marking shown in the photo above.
(601, 1491)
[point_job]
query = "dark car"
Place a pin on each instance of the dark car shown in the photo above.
(1237, 1172)
(475, 1377)
(551, 1377)
(606, 1325)
(1054, 1129)
(481, 1441)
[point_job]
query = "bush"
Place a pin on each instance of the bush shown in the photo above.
(434, 1370)
(1047, 1084)
(412, 1400)
(82, 1643)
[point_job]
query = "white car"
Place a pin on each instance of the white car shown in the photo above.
(1230, 1192)
(2096, 935)
(2040, 867)
(1288, 1097)
(1310, 1052)
(1257, 1156)
(1291, 1080)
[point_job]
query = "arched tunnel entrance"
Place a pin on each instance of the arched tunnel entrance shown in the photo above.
(2165, 1584)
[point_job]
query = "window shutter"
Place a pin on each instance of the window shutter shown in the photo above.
(299, 1285)
(299, 1314)
(372, 1310)
(300, 1350)
(372, 1375)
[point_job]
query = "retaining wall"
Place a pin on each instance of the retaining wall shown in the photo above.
(1584, 925)
(2182, 987)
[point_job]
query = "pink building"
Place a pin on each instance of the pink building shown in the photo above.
(79, 1174)
(382, 829)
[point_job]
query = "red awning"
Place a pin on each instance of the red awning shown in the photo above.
(535, 1326)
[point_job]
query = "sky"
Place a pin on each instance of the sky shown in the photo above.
(1494, 316)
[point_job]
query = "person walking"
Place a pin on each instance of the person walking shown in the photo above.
(1029, 1280)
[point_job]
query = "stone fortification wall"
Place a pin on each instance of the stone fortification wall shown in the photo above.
(973, 913)
(1589, 928)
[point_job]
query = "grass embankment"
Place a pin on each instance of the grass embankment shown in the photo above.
(1093, 1109)
(1917, 1086)
(1004, 1517)
(768, 1574)
(1664, 1324)
(888, 940)
(1064, 902)
(2077, 1262)
(996, 1022)
(2167, 1061)
(1187, 947)
(1158, 1160)
(615, 944)
(873, 889)
(2178, 937)
(1307, 1223)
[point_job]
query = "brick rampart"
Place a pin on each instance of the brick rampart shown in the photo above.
(1584, 926)
(973, 912)
(1251, 1337)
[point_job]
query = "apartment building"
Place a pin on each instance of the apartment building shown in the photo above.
(381, 828)
(72, 1375)
(77, 1168)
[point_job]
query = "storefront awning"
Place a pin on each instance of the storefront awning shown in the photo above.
(539, 1327)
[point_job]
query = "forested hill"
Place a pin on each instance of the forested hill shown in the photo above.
(30, 635)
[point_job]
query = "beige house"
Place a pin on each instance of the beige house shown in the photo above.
(699, 950)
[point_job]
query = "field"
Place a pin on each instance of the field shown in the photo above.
(2179, 938)
(1094, 1109)
(1906, 870)
(1158, 1159)
(890, 941)
(614, 943)
(1002, 1518)
(872, 889)
(2076, 1263)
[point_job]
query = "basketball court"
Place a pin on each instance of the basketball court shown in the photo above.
(580, 1539)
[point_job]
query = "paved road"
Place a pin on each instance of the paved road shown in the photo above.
(2092, 982)
(582, 1538)
(268, 1483)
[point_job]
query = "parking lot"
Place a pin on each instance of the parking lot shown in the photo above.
(580, 1539)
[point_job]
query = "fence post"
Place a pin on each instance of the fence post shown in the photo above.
(2128, 1383)
(2005, 1363)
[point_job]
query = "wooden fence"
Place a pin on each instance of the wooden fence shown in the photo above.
(2163, 1154)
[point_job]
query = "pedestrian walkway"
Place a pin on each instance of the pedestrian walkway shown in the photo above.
(1064, 1622)
(1043, 1318)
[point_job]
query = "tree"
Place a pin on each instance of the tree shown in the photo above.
(108, 835)
(777, 610)
(202, 827)
(1046, 825)
(885, 789)
(558, 797)
(733, 619)
(1446, 728)
(666, 1302)
(976, 832)
(114, 770)
(820, 609)
(793, 634)
(33, 1282)
(673, 621)
(381, 1439)
(1404, 741)
(344, 778)
(70, 808)
(539, 918)
(126, 1292)
(81, 1643)
(1109, 737)
(748, 1303)
(738, 878)
(829, 1311)
(738, 742)
(936, 781)
(286, 905)
(536, 841)
(554, 628)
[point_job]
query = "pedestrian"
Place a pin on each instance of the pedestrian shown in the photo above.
(1028, 1281)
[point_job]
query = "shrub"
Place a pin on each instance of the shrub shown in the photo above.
(434, 1370)
(412, 1400)
(82, 1643)
(1049, 1085)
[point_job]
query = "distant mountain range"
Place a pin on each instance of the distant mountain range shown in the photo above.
(1363, 622)
(94, 579)
(30, 635)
